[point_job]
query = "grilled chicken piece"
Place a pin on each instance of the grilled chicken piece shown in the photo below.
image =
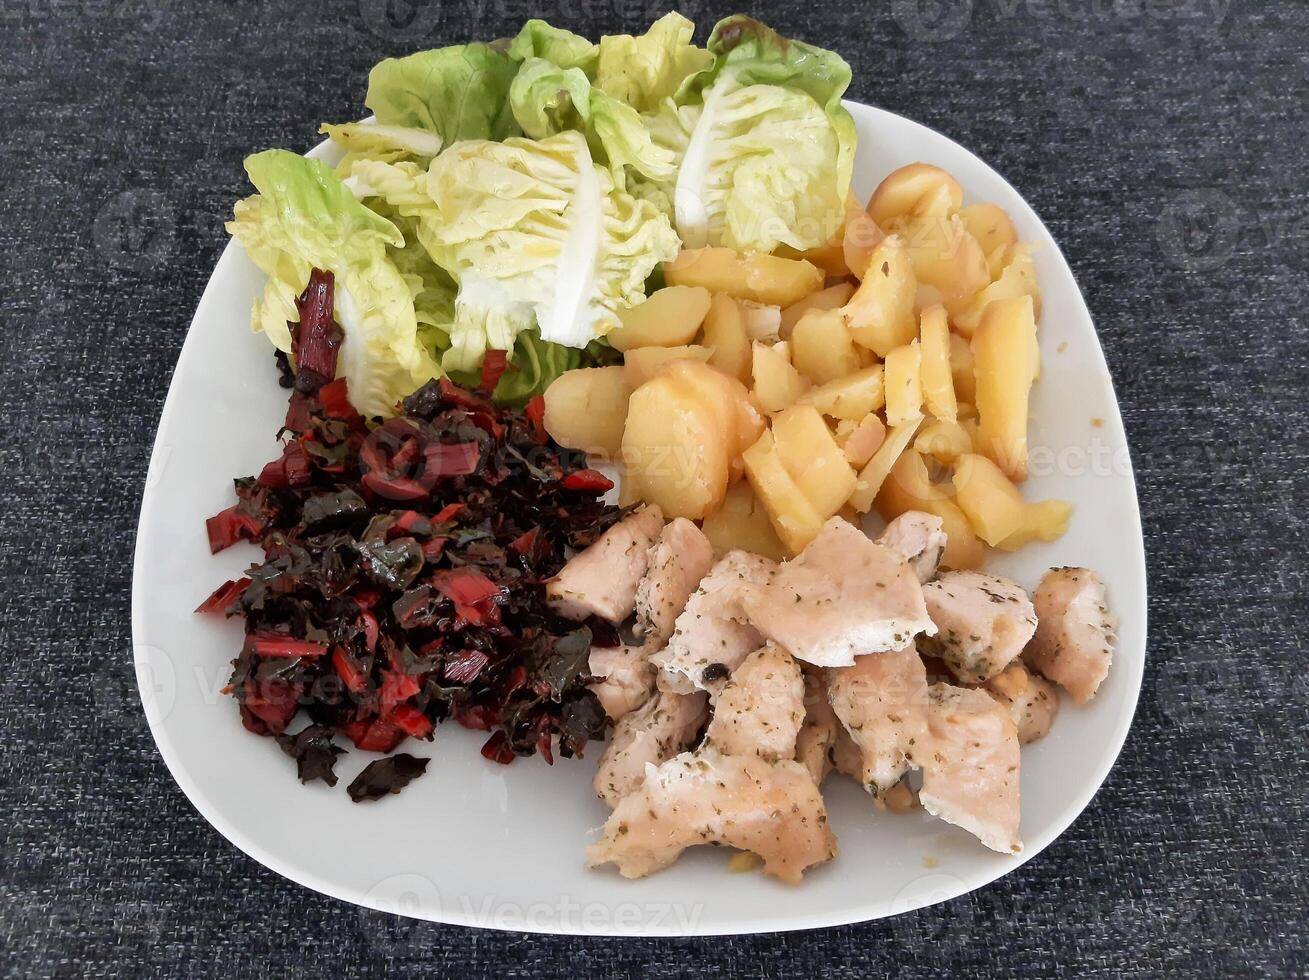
(760, 708)
(815, 745)
(882, 702)
(841, 597)
(970, 772)
(771, 808)
(658, 730)
(847, 759)
(1075, 631)
(626, 678)
(982, 621)
(602, 580)
(678, 561)
(920, 538)
(1031, 701)
(711, 637)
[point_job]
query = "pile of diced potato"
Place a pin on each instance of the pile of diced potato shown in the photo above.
(892, 368)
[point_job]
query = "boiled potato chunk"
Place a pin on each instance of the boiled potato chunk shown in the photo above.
(812, 456)
(925, 297)
(938, 385)
(586, 409)
(675, 450)
(793, 517)
(851, 397)
(992, 503)
(822, 348)
(1017, 279)
(874, 474)
(831, 298)
(743, 522)
(943, 441)
(990, 225)
(725, 336)
(1004, 364)
(762, 322)
(739, 416)
(917, 190)
(961, 371)
(643, 363)
(904, 387)
(768, 279)
(777, 385)
(908, 487)
(862, 237)
(1044, 520)
(669, 317)
(881, 311)
(943, 254)
(860, 440)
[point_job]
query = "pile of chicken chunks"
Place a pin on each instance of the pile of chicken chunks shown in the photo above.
(753, 680)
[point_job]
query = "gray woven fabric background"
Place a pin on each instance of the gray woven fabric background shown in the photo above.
(1163, 142)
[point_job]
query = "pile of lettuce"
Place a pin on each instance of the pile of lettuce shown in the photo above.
(517, 195)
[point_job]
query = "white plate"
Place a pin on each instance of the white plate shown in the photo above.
(475, 843)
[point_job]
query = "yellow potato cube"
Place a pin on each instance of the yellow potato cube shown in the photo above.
(725, 336)
(991, 226)
(908, 487)
(917, 190)
(1004, 364)
(1044, 520)
(851, 397)
(743, 522)
(822, 348)
(669, 317)
(943, 441)
(943, 254)
(925, 297)
(811, 455)
(1017, 279)
(938, 385)
(586, 409)
(739, 417)
(874, 474)
(768, 279)
(961, 371)
(860, 440)
(793, 517)
(777, 385)
(862, 236)
(904, 386)
(881, 311)
(762, 322)
(675, 450)
(994, 506)
(643, 363)
(831, 298)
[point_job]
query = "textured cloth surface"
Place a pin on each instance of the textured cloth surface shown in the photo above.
(1162, 141)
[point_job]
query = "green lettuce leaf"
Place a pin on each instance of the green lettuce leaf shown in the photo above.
(548, 99)
(459, 92)
(562, 48)
(373, 141)
(536, 235)
(644, 71)
(766, 149)
(304, 218)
